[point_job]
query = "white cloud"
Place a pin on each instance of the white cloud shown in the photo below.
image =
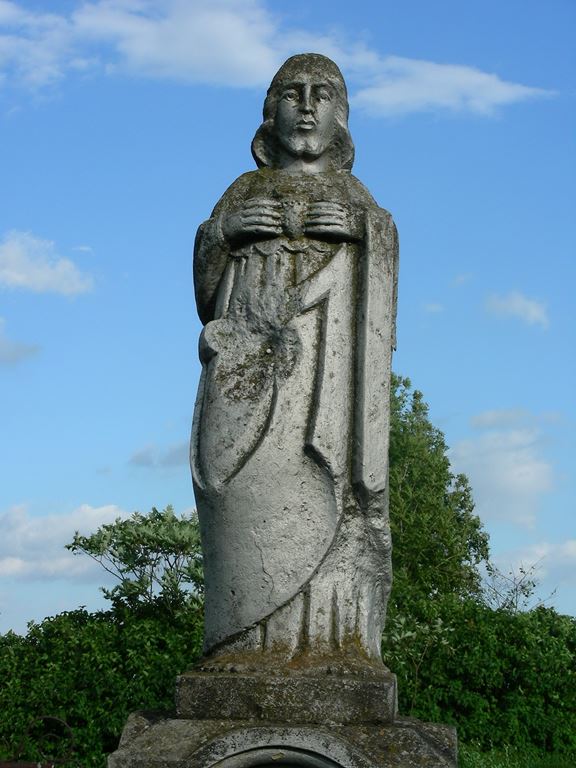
(433, 308)
(410, 85)
(230, 42)
(13, 352)
(530, 311)
(506, 469)
(35, 48)
(176, 455)
(550, 560)
(505, 417)
(30, 263)
(221, 42)
(552, 565)
(511, 417)
(32, 548)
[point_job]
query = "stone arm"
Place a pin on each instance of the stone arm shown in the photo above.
(232, 224)
(211, 252)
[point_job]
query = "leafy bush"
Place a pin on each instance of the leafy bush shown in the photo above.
(503, 678)
(92, 670)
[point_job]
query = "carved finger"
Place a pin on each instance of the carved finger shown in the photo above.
(261, 203)
(326, 218)
(268, 229)
(327, 206)
(255, 223)
(261, 213)
(328, 229)
(326, 222)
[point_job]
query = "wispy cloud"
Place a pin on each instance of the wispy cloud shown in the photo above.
(556, 560)
(506, 467)
(500, 418)
(433, 308)
(551, 564)
(36, 49)
(222, 42)
(31, 263)
(233, 43)
(515, 304)
(150, 456)
(411, 85)
(13, 352)
(33, 547)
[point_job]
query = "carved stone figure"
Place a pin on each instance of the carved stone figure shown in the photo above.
(295, 277)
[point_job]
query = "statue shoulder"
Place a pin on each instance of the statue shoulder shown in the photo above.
(358, 189)
(237, 191)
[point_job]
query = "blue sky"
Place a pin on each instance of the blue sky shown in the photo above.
(121, 124)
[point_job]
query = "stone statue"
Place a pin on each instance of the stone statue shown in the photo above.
(295, 277)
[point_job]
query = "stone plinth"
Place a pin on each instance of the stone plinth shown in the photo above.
(240, 720)
(152, 741)
(346, 700)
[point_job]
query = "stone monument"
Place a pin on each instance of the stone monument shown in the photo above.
(296, 280)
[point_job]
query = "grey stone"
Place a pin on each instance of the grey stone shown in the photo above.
(295, 276)
(287, 698)
(158, 742)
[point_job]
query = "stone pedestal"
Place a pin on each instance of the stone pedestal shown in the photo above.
(300, 699)
(241, 720)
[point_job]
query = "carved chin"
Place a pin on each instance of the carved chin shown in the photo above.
(305, 146)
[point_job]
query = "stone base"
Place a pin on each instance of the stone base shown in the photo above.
(346, 700)
(155, 741)
(241, 720)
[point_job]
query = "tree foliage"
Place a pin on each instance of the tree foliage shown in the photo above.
(156, 558)
(438, 541)
(463, 651)
(503, 677)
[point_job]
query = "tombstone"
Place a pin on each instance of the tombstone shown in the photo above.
(296, 282)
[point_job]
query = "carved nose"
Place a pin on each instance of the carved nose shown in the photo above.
(306, 104)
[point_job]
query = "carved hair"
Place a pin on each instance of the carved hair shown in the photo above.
(265, 142)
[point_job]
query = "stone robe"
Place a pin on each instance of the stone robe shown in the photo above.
(289, 448)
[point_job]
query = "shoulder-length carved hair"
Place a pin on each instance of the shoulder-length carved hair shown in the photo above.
(265, 142)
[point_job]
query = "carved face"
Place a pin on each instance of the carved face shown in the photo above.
(305, 116)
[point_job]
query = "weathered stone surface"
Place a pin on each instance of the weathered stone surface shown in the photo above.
(175, 743)
(295, 276)
(287, 699)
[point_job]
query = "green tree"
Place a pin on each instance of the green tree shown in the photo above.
(156, 558)
(438, 544)
(438, 541)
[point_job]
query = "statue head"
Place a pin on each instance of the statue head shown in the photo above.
(305, 115)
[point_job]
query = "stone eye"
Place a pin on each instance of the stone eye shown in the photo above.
(323, 95)
(290, 95)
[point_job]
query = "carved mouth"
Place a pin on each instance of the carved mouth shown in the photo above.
(306, 125)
